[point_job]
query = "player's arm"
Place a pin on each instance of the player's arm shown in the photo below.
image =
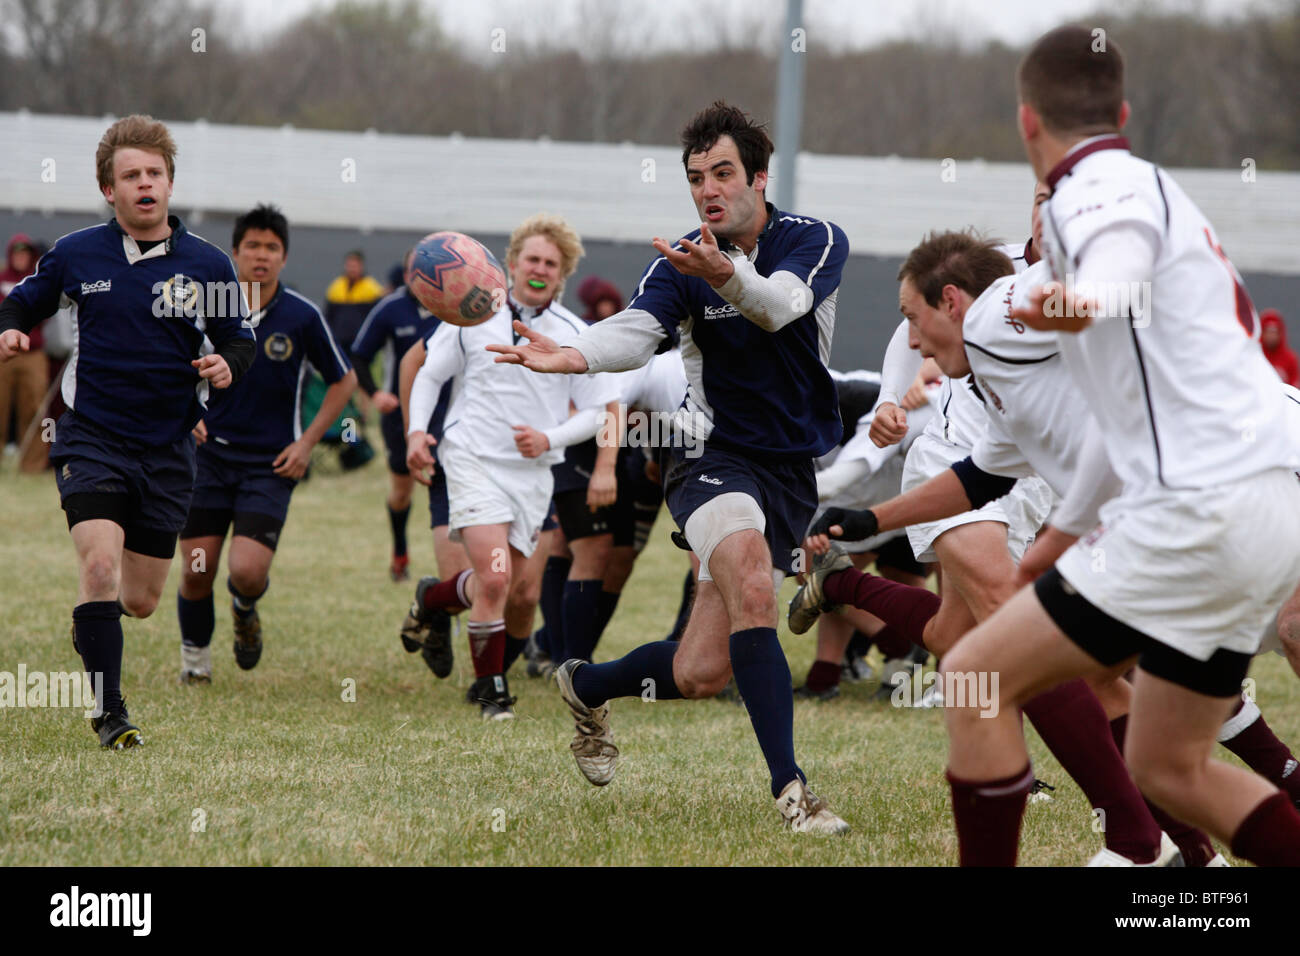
(1093, 484)
(327, 358)
(234, 344)
(602, 489)
(406, 369)
(1114, 262)
(840, 476)
(444, 358)
(363, 349)
(29, 303)
(901, 368)
(624, 341)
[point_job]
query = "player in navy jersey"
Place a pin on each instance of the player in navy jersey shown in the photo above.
(396, 323)
(253, 449)
(159, 319)
(751, 295)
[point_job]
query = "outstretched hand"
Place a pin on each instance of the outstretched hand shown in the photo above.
(1054, 308)
(703, 258)
(541, 354)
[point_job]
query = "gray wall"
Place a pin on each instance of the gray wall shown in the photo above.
(868, 303)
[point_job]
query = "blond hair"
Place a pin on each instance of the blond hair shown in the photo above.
(551, 227)
(134, 132)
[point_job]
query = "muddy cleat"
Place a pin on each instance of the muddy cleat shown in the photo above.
(416, 626)
(1041, 792)
(248, 638)
(593, 742)
(539, 662)
(428, 632)
(398, 568)
(1169, 855)
(196, 664)
(115, 731)
(805, 812)
(809, 601)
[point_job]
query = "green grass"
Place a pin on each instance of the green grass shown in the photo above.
(280, 769)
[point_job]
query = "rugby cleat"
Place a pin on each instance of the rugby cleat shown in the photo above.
(416, 626)
(809, 601)
(539, 662)
(196, 664)
(1169, 855)
(1041, 792)
(398, 568)
(593, 742)
(115, 731)
(428, 632)
(493, 698)
(805, 812)
(248, 638)
(855, 669)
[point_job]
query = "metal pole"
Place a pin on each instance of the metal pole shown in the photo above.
(789, 105)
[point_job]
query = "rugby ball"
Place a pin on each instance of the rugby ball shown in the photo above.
(457, 278)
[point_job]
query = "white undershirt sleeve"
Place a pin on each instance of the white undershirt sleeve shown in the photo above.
(578, 427)
(901, 366)
(624, 341)
(445, 359)
(840, 476)
(770, 302)
(1115, 270)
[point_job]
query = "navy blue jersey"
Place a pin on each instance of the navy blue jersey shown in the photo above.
(139, 320)
(767, 394)
(263, 410)
(398, 321)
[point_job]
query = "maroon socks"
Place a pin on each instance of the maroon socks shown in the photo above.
(988, 816)
(1270, 835)
(905, 608)
(447, 595)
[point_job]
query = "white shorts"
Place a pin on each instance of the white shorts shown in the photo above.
(483, 492)
(880, 486)
(1023, 511)
(1196, 570)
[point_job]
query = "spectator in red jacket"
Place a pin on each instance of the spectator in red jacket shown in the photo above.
(601, 298)
(24, 378)
(1272, 337)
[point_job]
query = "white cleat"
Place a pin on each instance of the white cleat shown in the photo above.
(805, 812)
(196, 664)
(593, 741)
(1170, 855)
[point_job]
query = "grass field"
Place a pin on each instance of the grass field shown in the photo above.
(274, 766)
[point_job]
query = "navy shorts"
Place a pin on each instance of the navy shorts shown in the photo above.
(786, 493)
(239, 486)
(576, 520)
(145, 489)
(638, 503)
(552, 520)
(439, 510)
(390, 426)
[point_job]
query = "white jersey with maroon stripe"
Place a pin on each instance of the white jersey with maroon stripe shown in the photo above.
(1037, 417)
(1180, 387)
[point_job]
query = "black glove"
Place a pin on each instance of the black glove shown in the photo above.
(679, 539)
(857, 525)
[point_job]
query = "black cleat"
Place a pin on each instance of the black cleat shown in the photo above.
(115, 731)
(416, 626)
(428, 632)
(492, 695)
(248, 638)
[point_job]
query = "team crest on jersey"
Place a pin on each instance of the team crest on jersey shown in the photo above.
(278, 347)
(180, 295)
(984, 387)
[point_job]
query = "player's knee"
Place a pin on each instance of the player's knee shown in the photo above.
(491, 587)
(525, 593)
(699, 681)
(757, 601)
(938, 640)
(100, 576)
(249, 579)
(139, 605)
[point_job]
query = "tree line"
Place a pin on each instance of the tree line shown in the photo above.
(1203, 93)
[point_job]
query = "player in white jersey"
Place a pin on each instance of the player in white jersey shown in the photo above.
(957, 270)
(1178, 385)
(504, 429)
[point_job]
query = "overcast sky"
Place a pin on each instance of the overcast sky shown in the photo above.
(656, 24)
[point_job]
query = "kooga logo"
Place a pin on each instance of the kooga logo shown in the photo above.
(103, 909)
